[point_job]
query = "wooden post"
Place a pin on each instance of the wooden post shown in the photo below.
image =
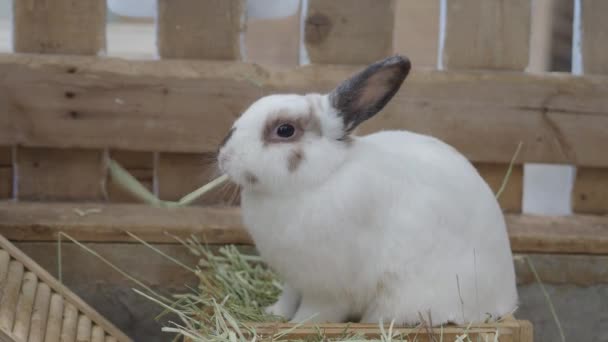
(490, 34)
(60, 27)
(417, 31)
(594, 36)
(195, 29)
(205, 29)
(590, 193)
(487, 34)
(349, 31)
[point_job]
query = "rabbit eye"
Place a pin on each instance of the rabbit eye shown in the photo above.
(286, 131)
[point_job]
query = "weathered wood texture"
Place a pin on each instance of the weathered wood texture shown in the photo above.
(590, 193)
(559, 118)
(18, 292)
(59, 26)
(494, 174)
(181, 173)
(508, 330)
(416, 32)
(200, 29)
(273, 41)
(195, 29)
(6, 172)
(109, 223)
(594, 36)
(57, 174)
(140, 165)
(483, 34)
(349, 32)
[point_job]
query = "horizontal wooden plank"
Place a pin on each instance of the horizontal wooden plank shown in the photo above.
(108, 223)
(577, 234)
(187, 106)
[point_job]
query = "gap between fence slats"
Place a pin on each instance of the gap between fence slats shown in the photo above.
(140, 165)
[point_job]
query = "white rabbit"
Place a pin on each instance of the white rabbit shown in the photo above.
(389, 226)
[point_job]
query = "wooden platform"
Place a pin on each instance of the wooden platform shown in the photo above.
(35, 307)
(509, 330)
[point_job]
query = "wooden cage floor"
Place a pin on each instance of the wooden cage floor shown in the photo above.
(36, 307)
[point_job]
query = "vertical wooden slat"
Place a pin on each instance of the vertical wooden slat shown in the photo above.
(349, 31)
(6, 172)
(40, 313)
(4, 263)
(70, 323)
(494, 174)
(25, 306)
(486, 34)
(594, 36)
(10, 295)
(274, 41)
(207, 29)
(60, 27)
(98, 335)
(140, 165)
(55, 174)
(195, 29)
(417, 31)
(590, 193)
(83, 333)
(55, 321)
(482, 34)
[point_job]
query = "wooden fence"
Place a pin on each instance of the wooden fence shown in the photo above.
(64, 109)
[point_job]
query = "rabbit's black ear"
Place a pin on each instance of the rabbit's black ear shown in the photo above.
(366, 93)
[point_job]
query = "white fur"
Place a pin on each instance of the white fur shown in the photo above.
(392, 225)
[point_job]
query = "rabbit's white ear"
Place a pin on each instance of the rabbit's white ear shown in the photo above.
(366, 93)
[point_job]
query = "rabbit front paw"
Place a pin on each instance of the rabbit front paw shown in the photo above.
(287, 304)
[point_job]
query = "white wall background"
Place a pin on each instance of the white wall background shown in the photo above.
(547, 188)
